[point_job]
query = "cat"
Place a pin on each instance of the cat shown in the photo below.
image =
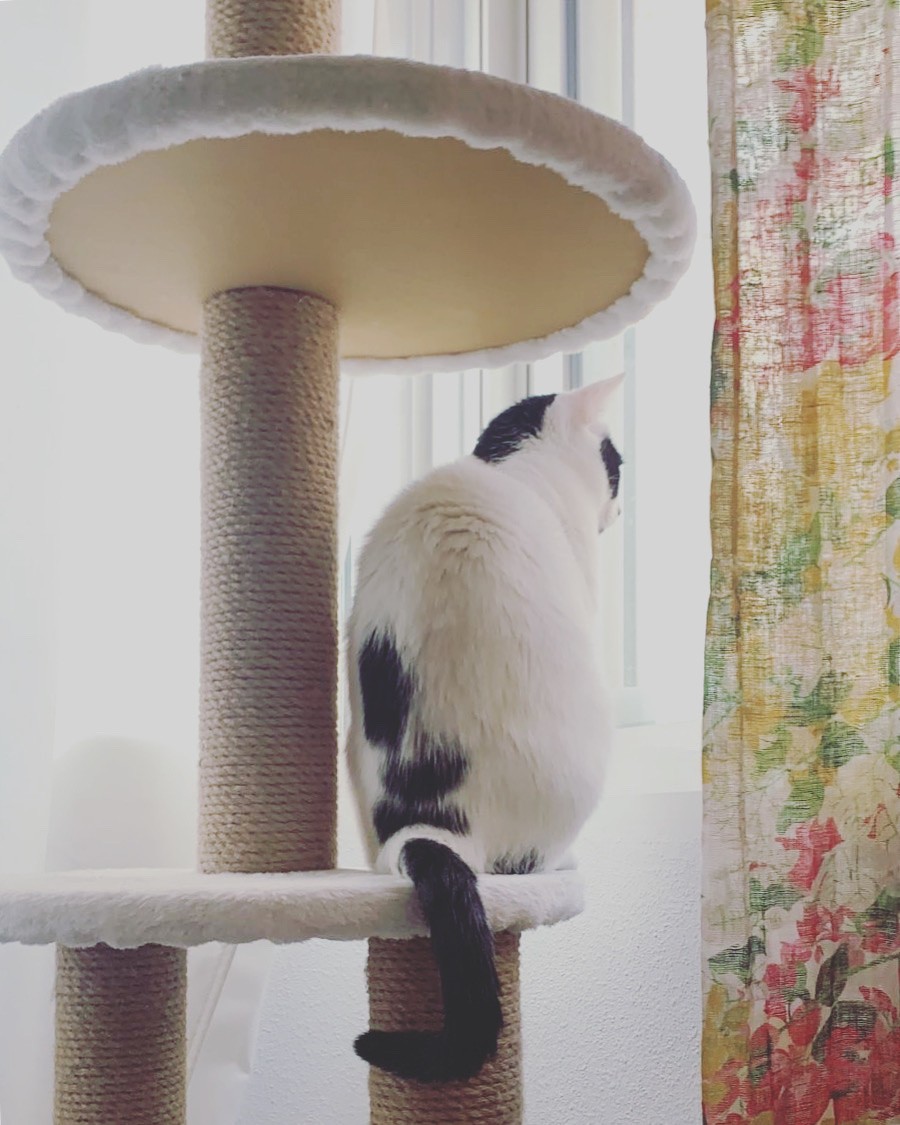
(479, 719)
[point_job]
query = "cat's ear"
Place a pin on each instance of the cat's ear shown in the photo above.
(587, 405)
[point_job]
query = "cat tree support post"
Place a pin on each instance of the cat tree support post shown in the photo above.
(404, 992)
(268, 757)
(269, 680)
(268, 688)
(120, 1040)
(269, 395)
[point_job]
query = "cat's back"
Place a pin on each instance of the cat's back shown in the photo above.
(465, 532)
(470, 585)
(463, 496)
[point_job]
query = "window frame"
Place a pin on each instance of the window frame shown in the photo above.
(556, 47)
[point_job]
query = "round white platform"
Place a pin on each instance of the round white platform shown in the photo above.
(128, 908)
(455, 219)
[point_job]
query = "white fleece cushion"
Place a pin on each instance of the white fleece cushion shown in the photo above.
(159, 108)
(126, 908)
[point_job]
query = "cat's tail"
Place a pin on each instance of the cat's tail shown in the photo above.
(464, 950)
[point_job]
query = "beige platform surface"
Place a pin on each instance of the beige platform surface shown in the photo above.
(127, 908)
(454, 218)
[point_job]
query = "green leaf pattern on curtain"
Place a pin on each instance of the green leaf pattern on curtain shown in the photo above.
(801, 913)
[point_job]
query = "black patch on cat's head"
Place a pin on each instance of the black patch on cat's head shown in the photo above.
(387, 690)
(507, 432)
(612, 459)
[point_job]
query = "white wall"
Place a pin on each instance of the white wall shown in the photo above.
(611, 1000)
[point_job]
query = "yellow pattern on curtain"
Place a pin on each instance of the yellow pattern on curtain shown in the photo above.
(802, 724)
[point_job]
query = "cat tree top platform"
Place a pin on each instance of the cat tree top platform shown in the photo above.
(454, 219)
(129, 908)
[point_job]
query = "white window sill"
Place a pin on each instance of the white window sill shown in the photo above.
(655, 758)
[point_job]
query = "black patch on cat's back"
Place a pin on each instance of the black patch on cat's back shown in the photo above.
(525, 864)
(507, 432)
(436, 767)
(391, 814)
(416, 788)
(612, 460)
(387, 690)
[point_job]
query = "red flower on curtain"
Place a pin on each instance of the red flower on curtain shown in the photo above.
(813, 841)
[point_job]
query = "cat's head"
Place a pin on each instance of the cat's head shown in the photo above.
(571, 428)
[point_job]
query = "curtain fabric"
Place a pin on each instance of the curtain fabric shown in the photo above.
(801, 753)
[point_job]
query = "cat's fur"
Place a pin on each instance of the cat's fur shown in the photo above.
(479, 720)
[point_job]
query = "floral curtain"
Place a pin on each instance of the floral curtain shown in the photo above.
(802, 724)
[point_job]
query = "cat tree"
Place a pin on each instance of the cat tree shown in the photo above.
(294, 212)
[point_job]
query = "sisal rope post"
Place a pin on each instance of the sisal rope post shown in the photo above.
(120, 1048)
(268, 796)
(269, 631)
(268, 693)
(238, 28)
(405, 995)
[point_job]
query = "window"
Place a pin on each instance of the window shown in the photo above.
(616, 59)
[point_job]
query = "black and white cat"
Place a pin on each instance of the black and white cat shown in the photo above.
(479, 720)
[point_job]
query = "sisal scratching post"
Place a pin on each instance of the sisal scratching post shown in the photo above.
(269, 632)
(237, 28)
(120, 1017)
(268, 798)
(405, 993)
(269, 402)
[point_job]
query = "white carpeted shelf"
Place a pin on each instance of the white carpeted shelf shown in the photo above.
(125, 908)
(454, 219)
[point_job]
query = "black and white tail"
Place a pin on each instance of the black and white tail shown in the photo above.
(464, 950)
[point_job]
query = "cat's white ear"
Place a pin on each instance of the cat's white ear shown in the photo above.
(588, 404)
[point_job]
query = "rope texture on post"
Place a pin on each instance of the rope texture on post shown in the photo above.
(405, 994)
(268, 727)
(238, 28)
(120, 1043)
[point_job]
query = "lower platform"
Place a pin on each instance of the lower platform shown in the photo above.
(126, 908)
